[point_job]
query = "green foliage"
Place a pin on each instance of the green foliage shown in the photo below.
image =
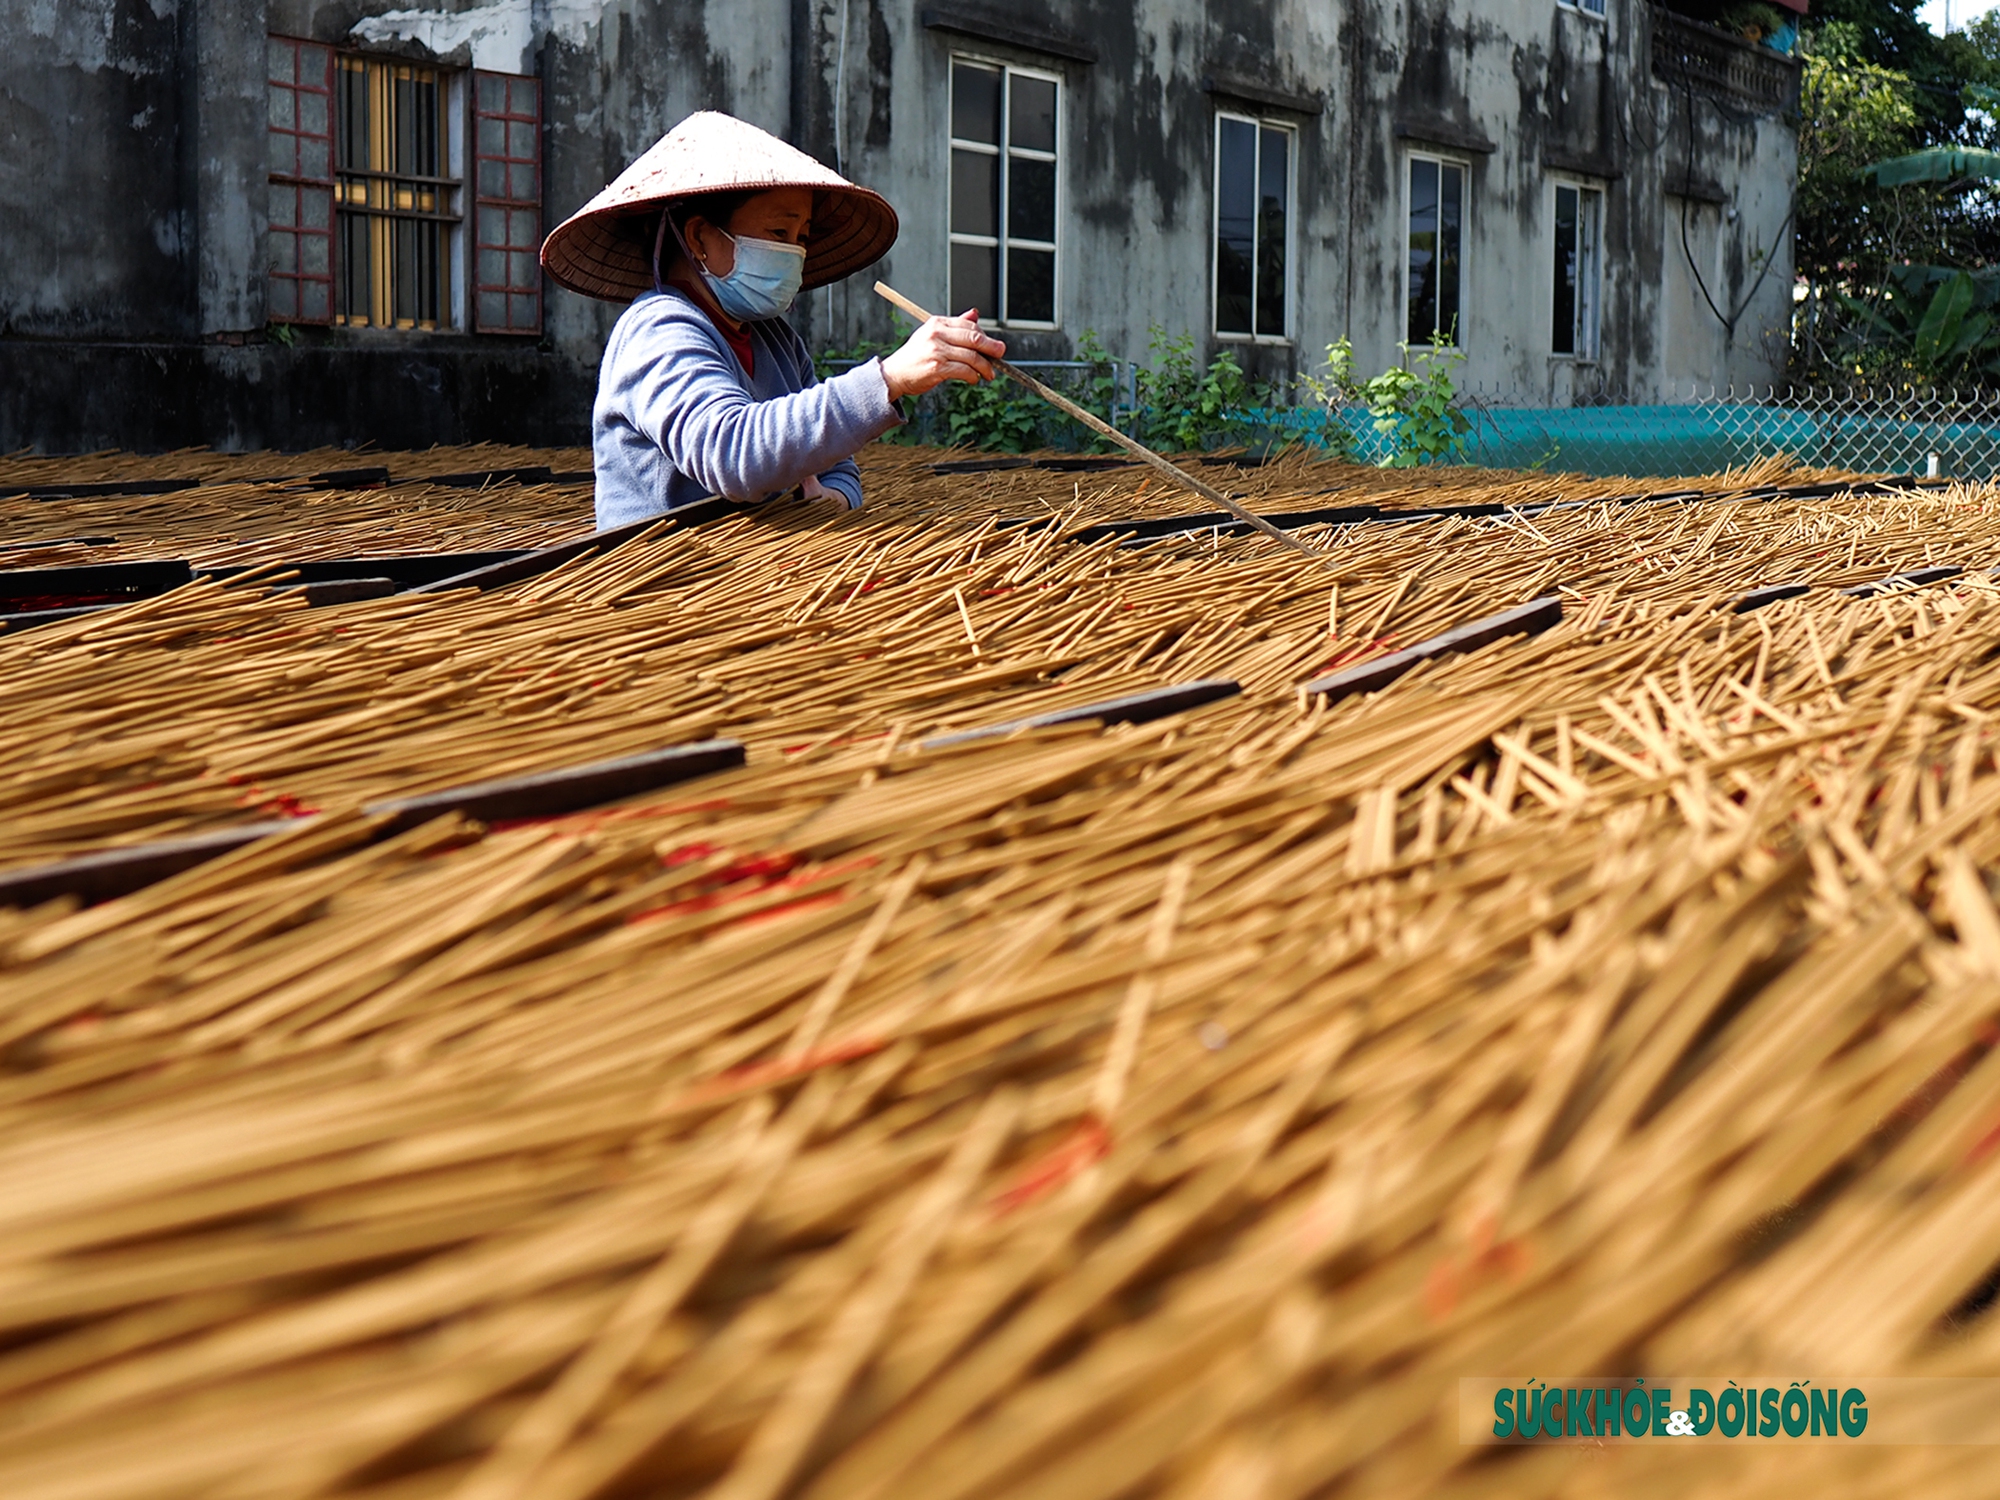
(1416, 412)
(1184, 406)
(282, 333)
(1927, 323)
(998, 416)
(1935, 164)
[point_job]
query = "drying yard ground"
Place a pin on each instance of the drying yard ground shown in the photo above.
(1176, 1108)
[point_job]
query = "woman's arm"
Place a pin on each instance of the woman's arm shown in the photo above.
(683, 393)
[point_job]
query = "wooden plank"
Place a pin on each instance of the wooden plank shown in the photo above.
(546, 794)
(1896, 581)
(1138, 708)
(532, 564)
(119, 872)
(1742, 604)
(550, 794)
(348, 590)
(28, 619)
(1526, 619)
(91, 582)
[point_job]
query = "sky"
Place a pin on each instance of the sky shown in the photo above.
(1961, 11)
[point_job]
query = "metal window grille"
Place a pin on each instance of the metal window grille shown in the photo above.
(299, 246)
(1253, 212)
(1005, 126)
(395, 202)
(507, 203)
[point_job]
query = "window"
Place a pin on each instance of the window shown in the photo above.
(299, 248)
(368, 216)
(1588, 7)
(1578, 270)
(395, 203)
(1004, 127)
(507, 269)
(1253, 220)
(1436, 240)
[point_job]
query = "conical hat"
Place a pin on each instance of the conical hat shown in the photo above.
(605, 248)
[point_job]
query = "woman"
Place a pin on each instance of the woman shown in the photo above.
(705, 389)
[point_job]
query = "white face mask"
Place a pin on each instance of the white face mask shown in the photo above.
(763, 281)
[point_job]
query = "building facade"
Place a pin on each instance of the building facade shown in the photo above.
(292, 222)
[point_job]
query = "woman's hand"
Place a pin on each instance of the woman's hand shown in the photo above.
(942, 349)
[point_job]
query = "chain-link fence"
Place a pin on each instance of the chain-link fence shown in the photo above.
(1869, 431)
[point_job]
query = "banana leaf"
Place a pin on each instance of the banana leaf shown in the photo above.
(1937, 164)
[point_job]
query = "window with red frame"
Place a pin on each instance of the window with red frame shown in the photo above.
(370, 221)
(507, 207)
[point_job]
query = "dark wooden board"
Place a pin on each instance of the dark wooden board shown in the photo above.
(1916, 578)
(119, 872)
(1138, 708)
(550, 794)
(93, 583)
(1526, 619)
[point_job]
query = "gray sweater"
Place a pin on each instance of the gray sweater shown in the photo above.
(677, 420)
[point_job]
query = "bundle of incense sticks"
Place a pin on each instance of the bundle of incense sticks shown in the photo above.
(1178, 1109)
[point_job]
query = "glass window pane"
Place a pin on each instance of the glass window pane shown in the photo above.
(315, 252)
(284, 205)
(1451, 219)
(492, 309)
(1588, 261)
(283, 116)
(1235, 224)
(492, 94)
(1273, 210)
(975, 281)
(1422, 250)
(521, 96)
(1031, 114)
(975, 193)
(521, 139)
(521, 269)
(353, 114)
(1031, 286)
(1563, 329)
(280, 253)
(492, 267)
(975, 103)
(1031, 198)
(278, 60)
(281, 299)
(492, 178)
(316, 208)
(313, 303)
(312, 159)
(523, 315)
(312, 114)
(521, 183)
(492, 137)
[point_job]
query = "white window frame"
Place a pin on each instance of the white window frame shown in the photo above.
(1587, 329)
(1464, 234)
(999, 243)
(1215, 230)
(1593, 8)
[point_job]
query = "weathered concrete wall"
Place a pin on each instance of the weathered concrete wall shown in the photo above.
(1527, 94)
(132, 184)
(96, 222)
